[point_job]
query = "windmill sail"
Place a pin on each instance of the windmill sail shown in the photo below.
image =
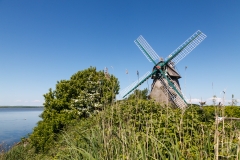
(172, 95)
(146, 49)
(135, 84)
(184, 49)
(165, 87)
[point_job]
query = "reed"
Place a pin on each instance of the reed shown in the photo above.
(151, 131)
(140, 129)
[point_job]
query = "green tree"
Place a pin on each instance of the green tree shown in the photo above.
(139, 94)
(86, 93)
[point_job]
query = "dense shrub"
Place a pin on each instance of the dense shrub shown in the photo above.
(139, 94)
(85, 94)
(229, 111)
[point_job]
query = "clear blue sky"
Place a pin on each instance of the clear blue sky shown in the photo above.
(44, 41)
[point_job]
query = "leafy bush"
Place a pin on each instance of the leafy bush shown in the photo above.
(229, 111)
(85, 94)
(139, 94)
(232, 111)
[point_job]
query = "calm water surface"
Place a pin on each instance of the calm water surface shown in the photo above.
(16, 123)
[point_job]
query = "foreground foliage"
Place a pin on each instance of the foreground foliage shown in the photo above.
(140, 129)
(82, 96)
(145, 130)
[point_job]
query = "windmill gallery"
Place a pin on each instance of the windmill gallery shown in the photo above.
(165, 87)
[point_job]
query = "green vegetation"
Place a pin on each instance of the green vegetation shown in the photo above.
(82, 120)
(139, 94)
(84, 95)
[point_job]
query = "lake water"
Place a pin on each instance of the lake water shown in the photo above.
(16, 123)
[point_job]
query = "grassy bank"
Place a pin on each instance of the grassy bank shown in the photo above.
(139, 129)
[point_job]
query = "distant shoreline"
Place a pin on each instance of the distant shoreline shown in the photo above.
(21, 106)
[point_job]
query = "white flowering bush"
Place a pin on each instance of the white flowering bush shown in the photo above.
(83, 95)
(91, 90)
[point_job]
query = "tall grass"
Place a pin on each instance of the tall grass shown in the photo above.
(150, 131)
(140, 129)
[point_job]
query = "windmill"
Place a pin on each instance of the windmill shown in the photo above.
(165, 87)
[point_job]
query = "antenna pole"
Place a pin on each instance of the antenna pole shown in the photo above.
(185, 80)
(138, 86)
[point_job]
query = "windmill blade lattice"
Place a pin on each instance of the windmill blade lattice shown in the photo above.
(135, 84)
(172, 95)
(164, 71)
(146, 49)
(187, 47)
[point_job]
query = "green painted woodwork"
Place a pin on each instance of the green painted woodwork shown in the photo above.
(175, 54)
(146, 52)
(171, 85)
(141, 82)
